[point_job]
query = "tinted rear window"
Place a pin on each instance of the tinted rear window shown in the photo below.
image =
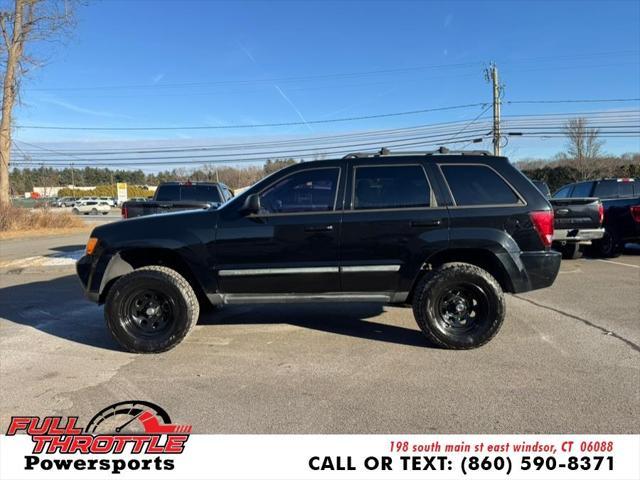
(199, 193)
(402, 186)
(563, 192)
(606, 189)
(582, 190)
(625, 189)
(478, 185)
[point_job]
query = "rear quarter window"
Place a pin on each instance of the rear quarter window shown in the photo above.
(478, 185)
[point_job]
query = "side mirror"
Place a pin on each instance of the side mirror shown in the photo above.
(251, 204)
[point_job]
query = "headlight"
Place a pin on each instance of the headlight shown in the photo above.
(91, 245)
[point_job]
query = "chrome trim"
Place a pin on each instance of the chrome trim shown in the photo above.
(277, 271)
(297, 270)
(370, 268)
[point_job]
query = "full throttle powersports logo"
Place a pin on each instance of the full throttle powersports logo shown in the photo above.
(130, 428)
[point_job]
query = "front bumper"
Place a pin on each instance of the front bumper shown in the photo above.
(578, 235)
(91, 272)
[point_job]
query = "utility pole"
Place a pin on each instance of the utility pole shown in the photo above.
(491, 74)
(73, 181)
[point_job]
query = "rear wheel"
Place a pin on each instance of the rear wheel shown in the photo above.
(459, 306)
(151, 309)
(608, 246)
(570, 251)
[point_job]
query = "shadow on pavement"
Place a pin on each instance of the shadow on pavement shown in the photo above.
(350, 319)
(57, 307)
(68, 248)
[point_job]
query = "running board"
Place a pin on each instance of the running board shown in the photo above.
(242, 298)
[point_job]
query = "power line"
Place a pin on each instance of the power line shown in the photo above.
(255, 125)
(603, 100)
(337, 75)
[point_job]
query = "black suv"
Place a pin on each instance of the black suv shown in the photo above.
(444, 232)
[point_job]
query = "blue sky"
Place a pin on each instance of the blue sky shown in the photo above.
(126, 63)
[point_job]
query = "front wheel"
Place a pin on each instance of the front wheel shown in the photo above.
(151, 309)
(459, 306)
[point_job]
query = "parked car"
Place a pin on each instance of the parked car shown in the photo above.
(577, 222)
(92, 207)
(620, 198)
(65, 202)
(175, 196)
(445, 232)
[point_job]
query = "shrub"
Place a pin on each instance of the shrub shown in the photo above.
(105, 191)
(14, 218)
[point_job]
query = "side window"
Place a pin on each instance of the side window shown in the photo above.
(625, 189)
(305, 191)
(563, 192)
(390, 186)
(582, 190)
(606, 189)
(478, 185)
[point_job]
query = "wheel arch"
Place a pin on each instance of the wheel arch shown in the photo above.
(480, 257)
(130, 259)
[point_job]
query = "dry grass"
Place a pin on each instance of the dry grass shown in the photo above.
(22, 221)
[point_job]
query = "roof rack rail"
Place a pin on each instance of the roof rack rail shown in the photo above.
(440, 151)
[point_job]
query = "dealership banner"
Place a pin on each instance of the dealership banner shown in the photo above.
(62, 450)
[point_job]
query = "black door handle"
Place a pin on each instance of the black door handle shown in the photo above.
(426, 223)
(319, 228)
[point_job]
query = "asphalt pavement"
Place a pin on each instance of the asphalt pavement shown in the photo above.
(566, 360)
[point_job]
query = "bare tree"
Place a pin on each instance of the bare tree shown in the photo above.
(29, 22)
(583, 145)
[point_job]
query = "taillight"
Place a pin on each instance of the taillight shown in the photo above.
(543, 223)
(635, 213)
(600, 213)
(124, 211)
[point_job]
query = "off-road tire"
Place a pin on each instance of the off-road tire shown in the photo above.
(570, 251)
(606, 247)
(438, 282)
(171, 284)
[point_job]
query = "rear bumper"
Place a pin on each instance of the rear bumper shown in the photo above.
(578, 235)
(539, 270)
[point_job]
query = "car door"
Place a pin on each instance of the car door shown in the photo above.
(391, 224)
(291, 245)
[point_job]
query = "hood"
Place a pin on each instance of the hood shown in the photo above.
(167, 228)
